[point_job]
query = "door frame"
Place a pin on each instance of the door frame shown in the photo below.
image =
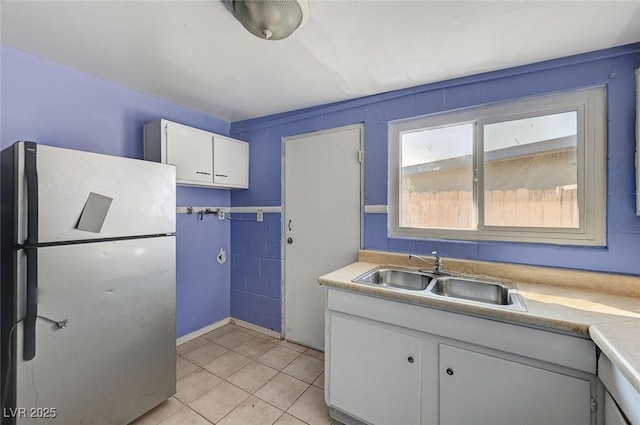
(359, 126)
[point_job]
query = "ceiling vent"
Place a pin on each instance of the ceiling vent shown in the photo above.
(270, 19)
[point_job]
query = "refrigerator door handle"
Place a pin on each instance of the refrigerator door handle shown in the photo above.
(31, 251)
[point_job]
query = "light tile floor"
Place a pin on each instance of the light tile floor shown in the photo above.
(235, 376)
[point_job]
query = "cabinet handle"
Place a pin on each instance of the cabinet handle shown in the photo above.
(202, 172)
(410, 359)
(221, 175)
(449, 371)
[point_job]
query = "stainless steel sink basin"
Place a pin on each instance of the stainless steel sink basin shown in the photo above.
(482, 291)
(396, 277)
(444, 285)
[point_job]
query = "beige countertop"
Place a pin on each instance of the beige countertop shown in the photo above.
(604, 307)
(621, 344)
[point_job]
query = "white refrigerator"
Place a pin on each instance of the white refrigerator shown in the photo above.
(87, 301)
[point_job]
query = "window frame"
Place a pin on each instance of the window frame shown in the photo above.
(590, 105)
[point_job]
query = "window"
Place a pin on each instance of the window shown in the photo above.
(530, 170)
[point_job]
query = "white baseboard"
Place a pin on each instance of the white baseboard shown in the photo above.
(256, 328)
(202, 331)
(220, 323)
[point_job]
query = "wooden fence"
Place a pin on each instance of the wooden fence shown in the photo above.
(522, 207)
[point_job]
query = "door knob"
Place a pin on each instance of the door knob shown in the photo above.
(289, 240)
(449, 371)
(410, 359)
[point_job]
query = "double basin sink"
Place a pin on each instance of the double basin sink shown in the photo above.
(445, 285)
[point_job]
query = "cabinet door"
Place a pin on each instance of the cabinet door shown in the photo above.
(191, 151)
(230, 162)
(480, 389)
(374, 372)
(612, 413)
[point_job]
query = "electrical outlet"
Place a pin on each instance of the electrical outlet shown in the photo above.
(259, 215)
(220, 214)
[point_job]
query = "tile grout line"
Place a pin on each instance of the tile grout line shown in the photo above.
(271, 404)
(202, 395)
(271, 379)
(280, 370)
(284, 367)
(275, 343)
(294, 377)
(295, 400)
(197, 413)
(194, 370)
(232, 410)
(183, 356)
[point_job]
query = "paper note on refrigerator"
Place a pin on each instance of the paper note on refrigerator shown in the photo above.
(94, 213)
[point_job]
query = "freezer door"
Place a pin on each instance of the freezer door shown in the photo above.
(83, 195)
(115, 359)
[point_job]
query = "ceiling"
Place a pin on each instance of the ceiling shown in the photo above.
(195, 54)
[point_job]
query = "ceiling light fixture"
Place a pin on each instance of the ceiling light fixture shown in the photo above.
(270, 19)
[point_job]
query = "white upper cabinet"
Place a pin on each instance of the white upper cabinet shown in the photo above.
(230, 162)
(201, 158)
(191, 151)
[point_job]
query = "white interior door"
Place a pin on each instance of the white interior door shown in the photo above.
(322, 213)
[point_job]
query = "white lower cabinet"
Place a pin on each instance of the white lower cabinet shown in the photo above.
(375, 372)
(622, 400)
(612, 413)
(480, 389)
(390, 363)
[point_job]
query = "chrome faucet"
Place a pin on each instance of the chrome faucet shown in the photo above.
(437, 263)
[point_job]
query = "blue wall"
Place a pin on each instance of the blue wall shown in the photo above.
(59, 106)
(614, 67)
(256, 278)
(256, 270)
